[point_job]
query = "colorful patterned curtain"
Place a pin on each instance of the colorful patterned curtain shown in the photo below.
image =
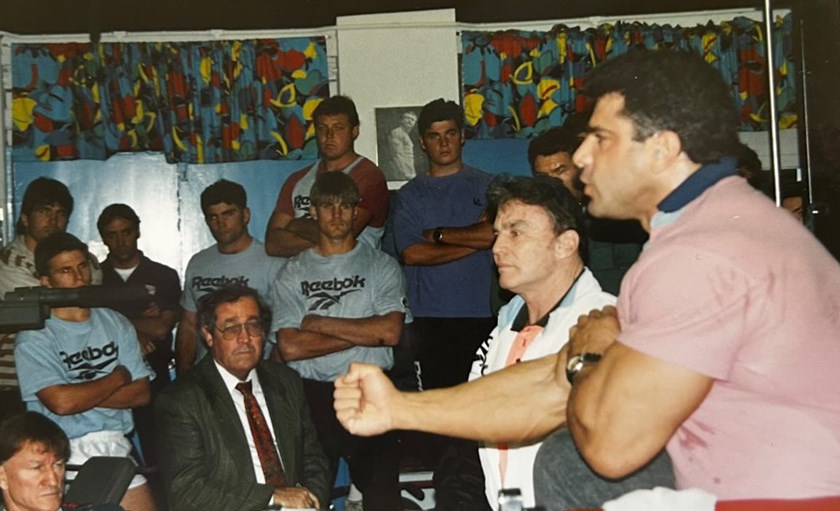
(198, 102)
(518, 84)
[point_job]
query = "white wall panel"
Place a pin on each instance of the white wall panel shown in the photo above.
(399, 59)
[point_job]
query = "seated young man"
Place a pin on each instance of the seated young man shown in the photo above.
(84, 369)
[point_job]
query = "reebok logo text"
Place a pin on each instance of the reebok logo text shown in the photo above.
(332, 285)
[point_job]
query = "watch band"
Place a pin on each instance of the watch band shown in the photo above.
(437, 235)
(576, 363)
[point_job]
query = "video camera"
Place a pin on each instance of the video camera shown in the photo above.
(26, 308)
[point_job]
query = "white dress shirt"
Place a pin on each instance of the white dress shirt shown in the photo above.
(239, 403)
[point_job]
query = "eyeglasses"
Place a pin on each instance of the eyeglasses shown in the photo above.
(231, 332)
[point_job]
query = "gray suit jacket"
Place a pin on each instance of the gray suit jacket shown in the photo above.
(204, 457)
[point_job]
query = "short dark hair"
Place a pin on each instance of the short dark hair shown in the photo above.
(208, 304)
(114, 211)
(676, 91)
(337, 105)
(44, 192)
(33, 427)
(560, 139)
(53, 245)
(223, 191)
(543, 191)
(334, 185)
(437, 111)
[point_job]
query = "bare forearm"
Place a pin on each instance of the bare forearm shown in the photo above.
(134, 394)
(306, 228)
(624, 409)
(478, 236)
(295, 344)
(381, 330)
(156, 328)
(283, 243)
(522, 402)
(429, 254)
(286, 236)
(72, 398)
(596, 438)
(294, 237)
(186, 343)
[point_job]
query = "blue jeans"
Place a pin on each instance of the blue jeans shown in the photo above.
(562, 479)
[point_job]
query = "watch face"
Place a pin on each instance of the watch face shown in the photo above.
(572, 367)
(575, 363)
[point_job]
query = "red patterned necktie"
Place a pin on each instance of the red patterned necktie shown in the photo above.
(269, 459)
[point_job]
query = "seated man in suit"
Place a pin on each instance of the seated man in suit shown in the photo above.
(235, 432)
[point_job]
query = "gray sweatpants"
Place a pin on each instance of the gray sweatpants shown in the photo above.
(562, 479)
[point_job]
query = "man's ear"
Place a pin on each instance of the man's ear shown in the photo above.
(208, 337)
(666, 148)
(246, 215)
(24, 221)
(567, 243)
(44, 280)
(4, 482)
(355, 132)
(313, 212)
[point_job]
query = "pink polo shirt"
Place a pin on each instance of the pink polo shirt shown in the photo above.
(735, 289)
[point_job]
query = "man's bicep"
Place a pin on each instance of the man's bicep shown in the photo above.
(37, 368)
(373, 191)
(287, 310)
(631, 403)
(408, 226)
(187, 327)
(694, 315)
(279, 220)
(675, 391)
(391, 290)
(188, 297)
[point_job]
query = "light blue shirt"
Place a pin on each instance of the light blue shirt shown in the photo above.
(66, 352)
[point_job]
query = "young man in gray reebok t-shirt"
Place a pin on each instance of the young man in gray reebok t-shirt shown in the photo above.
(336, 303)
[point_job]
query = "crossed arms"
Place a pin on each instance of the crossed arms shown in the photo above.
(116, 390)
(455, 243)
(321, 335)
